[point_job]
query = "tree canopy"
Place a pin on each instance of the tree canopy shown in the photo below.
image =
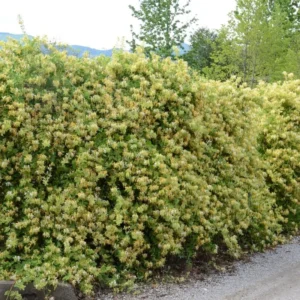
(258, 43)
(161, 27)
(201, 43)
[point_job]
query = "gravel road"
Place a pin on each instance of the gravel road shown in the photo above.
(273, 275)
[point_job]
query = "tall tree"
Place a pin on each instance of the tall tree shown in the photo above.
(225, 56)
(255, 43)
(161, 28)
(291, 10)
(290, 7)
(274, 48)
(293, 55)
(201, 47)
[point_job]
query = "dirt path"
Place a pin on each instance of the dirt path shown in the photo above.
(284, 284)
(273, 275)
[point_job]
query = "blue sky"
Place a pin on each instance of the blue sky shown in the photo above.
(99, 24)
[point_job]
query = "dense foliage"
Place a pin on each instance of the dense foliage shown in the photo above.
(201, 48)
(108, 166)
(259, 42)
(226, 131)
(280, 145)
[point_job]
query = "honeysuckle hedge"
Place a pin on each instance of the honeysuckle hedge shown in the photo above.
(280, 145)
(109, 166)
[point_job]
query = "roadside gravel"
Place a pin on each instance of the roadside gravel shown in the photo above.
(273, 275)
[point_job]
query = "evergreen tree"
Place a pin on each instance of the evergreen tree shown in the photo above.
(201, 47)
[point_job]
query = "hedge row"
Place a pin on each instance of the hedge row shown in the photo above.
(109, 166)
(280, 146)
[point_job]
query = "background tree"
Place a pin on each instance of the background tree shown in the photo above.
(293, 55)
(254, 44)
(201, 47)
(290, 7)
(224, 55)
(275, 45)
(161, 28)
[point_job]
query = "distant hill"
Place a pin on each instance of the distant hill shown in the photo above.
(93, 52)
(5, 35)
(74, 49)
(77, 49)
(186, 48)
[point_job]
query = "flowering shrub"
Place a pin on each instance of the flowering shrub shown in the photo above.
(245, 212)
(108, 166)
(97, 182)
(280, 145)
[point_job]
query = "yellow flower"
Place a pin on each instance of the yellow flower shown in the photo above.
(28, 158)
